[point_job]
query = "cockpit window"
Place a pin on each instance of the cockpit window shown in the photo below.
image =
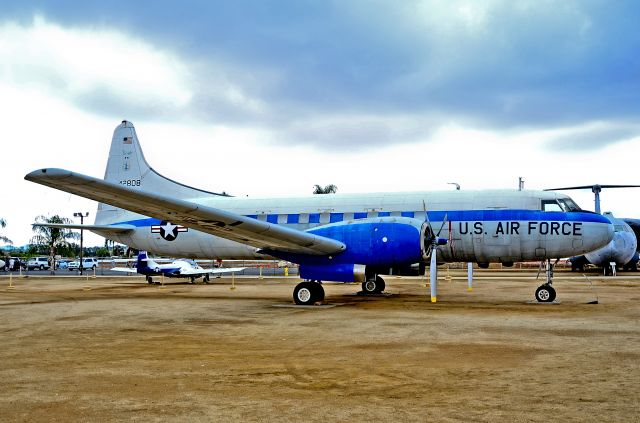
(551, 205)
(569, 204)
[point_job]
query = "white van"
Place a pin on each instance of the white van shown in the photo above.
(87, 263)
(41, 263)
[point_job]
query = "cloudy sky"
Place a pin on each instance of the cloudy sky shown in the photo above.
(268, 98)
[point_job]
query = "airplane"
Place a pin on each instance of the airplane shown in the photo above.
(622, 251)
(180, 268)
(2, 263)
(333, 238)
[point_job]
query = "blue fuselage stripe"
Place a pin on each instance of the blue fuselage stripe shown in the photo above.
(434, 216)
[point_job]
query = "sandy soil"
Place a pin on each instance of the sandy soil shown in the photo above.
(127, 350)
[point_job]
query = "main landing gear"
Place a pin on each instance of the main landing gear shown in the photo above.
(545, 292)
(308, 293)
(374, 285)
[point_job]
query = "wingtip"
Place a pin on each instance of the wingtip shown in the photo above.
(46, 172)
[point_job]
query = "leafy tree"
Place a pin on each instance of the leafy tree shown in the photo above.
(52, 238)
(3, 224)
(328, 189)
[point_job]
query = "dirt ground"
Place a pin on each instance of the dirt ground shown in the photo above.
(125, 350)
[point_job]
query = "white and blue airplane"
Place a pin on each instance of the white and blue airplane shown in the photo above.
(181, 268)
(337, 237)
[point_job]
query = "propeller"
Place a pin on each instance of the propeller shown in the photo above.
(432, 242)
(596, 189)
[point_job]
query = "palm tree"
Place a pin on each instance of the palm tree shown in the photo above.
(329, 189)
(3, 223)
(52, 237)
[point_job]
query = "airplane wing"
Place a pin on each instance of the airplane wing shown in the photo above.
(216, 271)
(124, 269)
(114, 229)
(224, 224)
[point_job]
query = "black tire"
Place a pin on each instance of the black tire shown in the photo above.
(373, 286)
(369, 286)
(319, 291)
(381, 284)
(545, 294)
(205, 279)
(305, 293)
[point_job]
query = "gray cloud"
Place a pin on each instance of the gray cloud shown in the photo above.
(292, 67)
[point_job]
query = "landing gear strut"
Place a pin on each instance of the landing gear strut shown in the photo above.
(373, 285)
(308, 293)
(545, 292)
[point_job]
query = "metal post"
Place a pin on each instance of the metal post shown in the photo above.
(81, 216)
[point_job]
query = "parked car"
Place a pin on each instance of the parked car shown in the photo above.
(41, 263)
(87, 263)
(62, 264)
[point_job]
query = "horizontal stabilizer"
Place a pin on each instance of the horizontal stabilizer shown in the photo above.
(112, 229)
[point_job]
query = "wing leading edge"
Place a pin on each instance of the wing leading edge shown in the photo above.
(211, 220)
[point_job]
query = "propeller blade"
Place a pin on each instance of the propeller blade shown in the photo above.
(433, 275)
(444, 222)
(592, 186)
(426, 215)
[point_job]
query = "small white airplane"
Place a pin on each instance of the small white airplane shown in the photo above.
(336, 237)
(181, 268)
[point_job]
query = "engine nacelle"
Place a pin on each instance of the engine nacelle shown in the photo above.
(382, 241)
(336, 272)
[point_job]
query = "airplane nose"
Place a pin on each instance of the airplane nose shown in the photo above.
(598, 233)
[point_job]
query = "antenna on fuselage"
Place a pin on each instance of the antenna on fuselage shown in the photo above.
(520, 183)
(596, 189)
(456, 184)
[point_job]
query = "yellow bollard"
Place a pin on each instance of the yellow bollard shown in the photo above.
(233, 281)
(286, 271)
(10, 281)
(260, 277)
(448, 276)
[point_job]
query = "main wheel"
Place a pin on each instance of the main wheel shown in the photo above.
(205, 279)
(306, 293)
(149, 280)
(545, 294)
(373, 286)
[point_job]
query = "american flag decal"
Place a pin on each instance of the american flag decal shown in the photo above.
(127, 140)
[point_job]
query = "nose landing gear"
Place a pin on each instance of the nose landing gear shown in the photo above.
(545, 292)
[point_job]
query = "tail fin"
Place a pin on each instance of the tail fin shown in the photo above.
(144, 264)
(127, 166)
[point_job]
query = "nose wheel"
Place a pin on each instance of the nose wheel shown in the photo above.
(545, 294)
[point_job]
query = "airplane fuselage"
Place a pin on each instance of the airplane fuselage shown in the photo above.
(482, 226)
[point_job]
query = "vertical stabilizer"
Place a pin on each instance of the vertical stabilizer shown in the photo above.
(128, 167)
